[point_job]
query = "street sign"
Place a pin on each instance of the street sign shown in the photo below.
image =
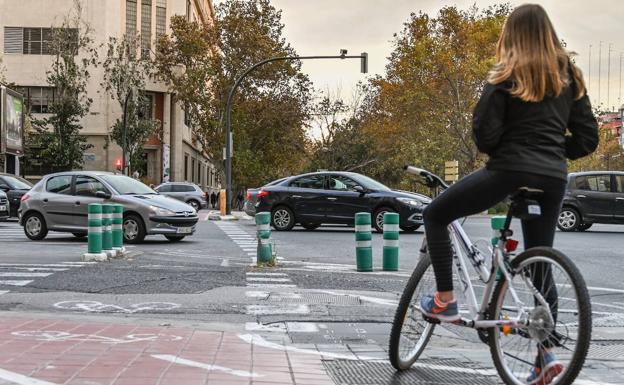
(451, 171)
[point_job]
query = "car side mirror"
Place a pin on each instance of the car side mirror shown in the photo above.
(4, 187)
(102, 194)
(359, 189)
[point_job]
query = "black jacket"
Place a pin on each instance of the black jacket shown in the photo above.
(531, 136)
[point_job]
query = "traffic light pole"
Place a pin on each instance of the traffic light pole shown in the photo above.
(228, 111)
(125, 134)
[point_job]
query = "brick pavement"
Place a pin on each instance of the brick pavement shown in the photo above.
(39, 351)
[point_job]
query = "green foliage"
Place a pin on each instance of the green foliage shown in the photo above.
(56, 140)
(125, 74)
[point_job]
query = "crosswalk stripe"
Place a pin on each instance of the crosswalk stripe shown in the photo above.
(3, 291)
(20, 274)
(11, 282)
(40, 264)
(268, 274)
(34, 268)
(268, 279)
(270, 285)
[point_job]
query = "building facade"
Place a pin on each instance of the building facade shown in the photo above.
(23, 31)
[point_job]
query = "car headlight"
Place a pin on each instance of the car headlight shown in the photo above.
(159, 211)
(411, 202)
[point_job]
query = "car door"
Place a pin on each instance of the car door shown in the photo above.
(58, 202)
(178, 191)
(618, 211)
(594, 193)
(343, 199)
(85, 190)
(307, 196)
(164, 189)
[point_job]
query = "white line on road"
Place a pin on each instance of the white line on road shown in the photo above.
(19, 274)
(269, 285)
(20, 379)
(267, 274)
(38, 264)
(201, 365)
(3, 291)
(14, 282)
(277, 309)
(268, 279)
(33, 268)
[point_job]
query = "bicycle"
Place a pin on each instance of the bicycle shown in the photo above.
(531, 302)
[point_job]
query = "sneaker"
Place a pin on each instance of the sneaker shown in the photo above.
(544, 375)
(432, 307)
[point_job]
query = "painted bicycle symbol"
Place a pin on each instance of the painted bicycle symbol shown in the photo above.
(99, 307)
(59, 336)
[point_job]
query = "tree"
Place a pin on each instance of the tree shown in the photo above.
(56, 140)
(125, 74)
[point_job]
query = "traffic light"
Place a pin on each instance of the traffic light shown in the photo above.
(451, 171)
(118, 164)
(364, 63)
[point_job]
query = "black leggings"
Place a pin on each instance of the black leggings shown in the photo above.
(478, 192)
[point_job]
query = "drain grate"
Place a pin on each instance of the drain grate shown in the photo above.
(317, 299)
(606, 350)
(346, 372)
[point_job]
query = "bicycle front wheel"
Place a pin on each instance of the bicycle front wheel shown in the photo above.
(554, 295)
(410, 332)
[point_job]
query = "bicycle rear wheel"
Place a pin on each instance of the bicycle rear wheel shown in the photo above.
(559, 322)
(410, 332)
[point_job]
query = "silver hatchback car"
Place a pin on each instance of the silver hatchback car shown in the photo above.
(59, 202)
(186, 192)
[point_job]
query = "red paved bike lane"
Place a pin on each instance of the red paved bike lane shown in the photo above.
(40, 351)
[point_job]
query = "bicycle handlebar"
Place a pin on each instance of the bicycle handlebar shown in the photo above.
(431, 179)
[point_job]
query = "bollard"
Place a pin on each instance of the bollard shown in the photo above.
(263, 232)
(363, 242)
(497, 223)
(391, 242)
(94, 248)
(222, 200)
(107, 234)
(118, 229)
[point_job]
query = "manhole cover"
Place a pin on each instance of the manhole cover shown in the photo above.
(430, 372)
(317, 298)
(606, 350)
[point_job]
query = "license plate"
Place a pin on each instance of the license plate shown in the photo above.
(3, 208)
(185, 230)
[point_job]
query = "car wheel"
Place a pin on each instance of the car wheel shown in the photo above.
(194, 204)
(282, 218)
(378, 218)
(134, 229)
(410, 229)
(310, 226)
(35, 227)
(79, 235)
(569, 219)
(174, 238)
(584, 226)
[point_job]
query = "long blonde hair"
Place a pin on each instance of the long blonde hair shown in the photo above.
(530, 55)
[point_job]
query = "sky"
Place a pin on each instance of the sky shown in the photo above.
(323, 27)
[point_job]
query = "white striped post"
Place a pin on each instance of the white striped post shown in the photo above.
(363, 242)
(94, 248)
(107, 230)
(391, 242)
(118, 229)
(263, 232)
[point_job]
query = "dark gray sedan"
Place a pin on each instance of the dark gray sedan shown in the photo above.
(59, 202)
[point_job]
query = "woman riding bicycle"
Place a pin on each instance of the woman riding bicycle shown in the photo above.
(533, 95)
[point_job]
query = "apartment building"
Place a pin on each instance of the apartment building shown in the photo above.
(24, 27)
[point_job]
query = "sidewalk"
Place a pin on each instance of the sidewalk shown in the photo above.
(81, 351)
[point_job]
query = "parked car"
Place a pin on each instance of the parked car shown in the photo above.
(252, 197)
(186, 192)
(59, 202)
(592, 197)
(4, 206)
(14, 187)
(334, 197)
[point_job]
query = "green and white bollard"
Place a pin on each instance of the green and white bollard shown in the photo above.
(263, 232)
(94, 248)
(391, 242)
(497, 223)
(363, 242)
(107, 230)
(118, 229)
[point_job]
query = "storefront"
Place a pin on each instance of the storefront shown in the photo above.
(11, 130)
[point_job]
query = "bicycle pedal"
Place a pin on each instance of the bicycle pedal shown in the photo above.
(431, 320)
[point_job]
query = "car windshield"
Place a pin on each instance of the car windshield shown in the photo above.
(127, 186)
(371, 184)
(17, 183)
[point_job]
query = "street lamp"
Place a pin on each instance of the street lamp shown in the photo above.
(228, 109)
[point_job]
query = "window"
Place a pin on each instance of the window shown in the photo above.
(342, 183)
(164, 188)
(146, 27)
(161, 17)
(131, 18)
(88, 186)
(147, 107)
(13, 39)
(310, 181)
(619, 183)
(599, 183)
(183, 188)
(186, 164)
(193, 170)
(37, 99)
(33, 41)
(59, 184)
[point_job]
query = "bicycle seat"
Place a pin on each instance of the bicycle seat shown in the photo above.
(526, 193)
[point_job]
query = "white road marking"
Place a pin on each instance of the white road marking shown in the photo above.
(267, 274)
(20, 274)
(183, 361)
(379, 301)
(277, 309)
(14, 282)
(95, 306)
(268, 279)
(65, 265)
(302, 327)
(267, 285)
(225, 262)
(3, 291)
(58, 336)
(34, 268)
(257, 294)
(20, 379)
